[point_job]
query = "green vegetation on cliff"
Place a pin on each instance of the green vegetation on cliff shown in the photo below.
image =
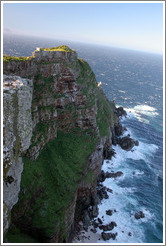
(7, 58)
(105, 114)
(87, 81)
(49, 183)
(63, 48)
(15, 236)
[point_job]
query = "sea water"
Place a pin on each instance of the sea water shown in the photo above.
(134, 79)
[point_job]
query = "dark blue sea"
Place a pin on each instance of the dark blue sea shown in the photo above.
(135, 80)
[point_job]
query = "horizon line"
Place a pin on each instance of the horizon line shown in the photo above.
(85, 42)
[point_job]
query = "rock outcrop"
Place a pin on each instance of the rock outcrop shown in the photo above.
(127, 143)
(17, 132)
(62, 138)
(139, 215)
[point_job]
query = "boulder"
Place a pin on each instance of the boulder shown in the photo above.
(107, 236)
(108, 227)
(136, 143)
(139, 215)
(109, 212)
(100, 221)
(127, 143)
(109, 190)
(102, 193)
(113, 175)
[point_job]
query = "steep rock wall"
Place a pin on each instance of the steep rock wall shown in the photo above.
(17, 136)
(72, 124)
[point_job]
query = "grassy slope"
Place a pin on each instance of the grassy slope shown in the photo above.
(51, 180)
(105, 116)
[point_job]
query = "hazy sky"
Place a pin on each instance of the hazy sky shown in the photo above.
(130, 25)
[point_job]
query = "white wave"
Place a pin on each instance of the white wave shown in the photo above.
(126, 190)
(123, 199)
(118, 202)
(137, 173)
(148, 216)
(122, 91)
(142, 110)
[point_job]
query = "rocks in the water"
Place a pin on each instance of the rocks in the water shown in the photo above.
(139, 215)
(127, 143)
(102, 193)
(129, 234)
(113, 175)
(109, 190)
(108, 227)
(136, 143)
(104, 175)
(107, 236)
(109, 212)
(120, 112)
(100, 221)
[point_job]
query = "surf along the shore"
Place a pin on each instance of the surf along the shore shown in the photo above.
(121, 215)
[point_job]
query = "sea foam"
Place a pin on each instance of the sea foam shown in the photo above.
(123, 199)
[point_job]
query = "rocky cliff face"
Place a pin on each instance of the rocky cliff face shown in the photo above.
(61, 138)
(17, 136)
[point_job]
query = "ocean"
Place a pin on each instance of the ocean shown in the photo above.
(135, 80)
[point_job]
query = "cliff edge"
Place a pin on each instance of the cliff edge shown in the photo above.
(58, 127)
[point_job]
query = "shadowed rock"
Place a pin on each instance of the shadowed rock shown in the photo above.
(104, 175)
(119, 129)
(108, 227)
(102, 193)
(113, 175)
(107, 236)
(120, 112)
(127, 143)
(109, 212)
(139, 215)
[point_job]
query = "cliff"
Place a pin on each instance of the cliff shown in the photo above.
(58, 127)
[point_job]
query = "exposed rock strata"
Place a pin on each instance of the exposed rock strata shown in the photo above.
(65, 100)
